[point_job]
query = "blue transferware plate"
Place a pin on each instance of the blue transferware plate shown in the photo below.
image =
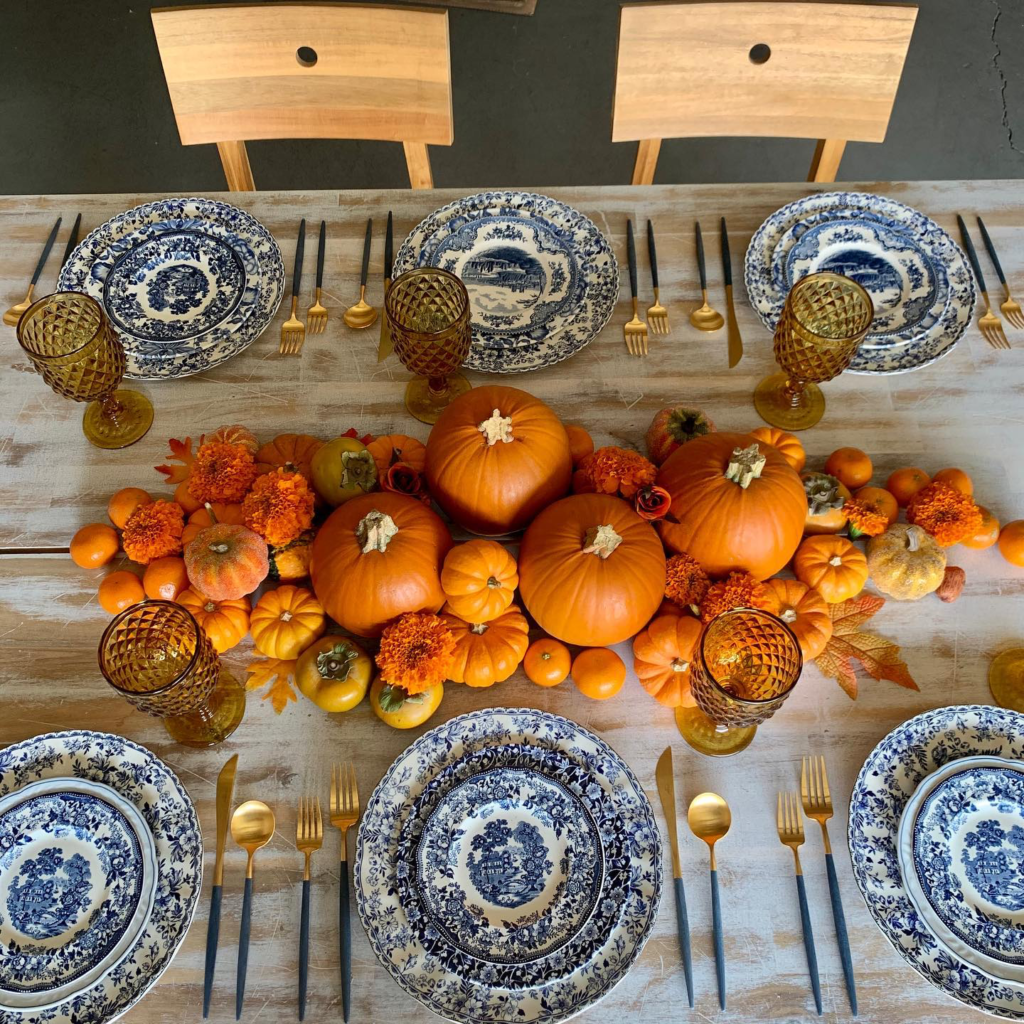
(509, 865)
(888, 780)
(77, 881)
(144, 781)
(494, 991)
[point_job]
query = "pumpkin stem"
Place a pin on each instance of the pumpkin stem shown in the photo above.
(914, 537)
(336, 662)
(375, 531)
(789, 615)
(492, 583)
(822, 493)
(679, 665)
(835, 560)
(285, 616)
(220, 547)
(745, 465)
(209, 607)
(209, 512)
(601, 541)
(358, 470)
(479, 628)
(497, 428)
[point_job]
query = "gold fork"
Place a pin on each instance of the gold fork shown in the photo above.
(990, 325)
(316, 316)
(657, 315)
(1009, 307)
(636, 330)
(293, 330)
(344, 814)
(791, 833)
(13, 315)
(309, 837)
(817, 802)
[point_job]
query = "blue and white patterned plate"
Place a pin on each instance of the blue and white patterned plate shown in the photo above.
(886, 783)
(144, 781)
(542, 278)
(886, 352)
(77, 880)
(553, 987)
(148, 359)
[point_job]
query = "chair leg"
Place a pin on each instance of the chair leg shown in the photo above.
(235, 161)
(827, 156)
(646, 161)
(418, 161)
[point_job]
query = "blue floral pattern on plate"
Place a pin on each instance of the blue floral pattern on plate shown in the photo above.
(558, 985)
(160, 801)
(886, 783)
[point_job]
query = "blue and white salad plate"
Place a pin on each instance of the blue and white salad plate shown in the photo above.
(187, 283)
(887, 783)
(917, 275)
(541, 277)
(161, 807)
(526, 813)
(77, 882)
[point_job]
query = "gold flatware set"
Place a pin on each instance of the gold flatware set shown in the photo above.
(989, 323)
(13, 315)
(293, 330)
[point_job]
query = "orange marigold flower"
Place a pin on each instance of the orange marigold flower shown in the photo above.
(738, 590)
(686, 582)
(222, 472)
(865, 520)
(279, 507)
(153, 531)
(416, 652)
(614, 470)
(947, 514)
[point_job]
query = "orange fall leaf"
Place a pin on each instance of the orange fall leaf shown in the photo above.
(181, 452)
(278, 673)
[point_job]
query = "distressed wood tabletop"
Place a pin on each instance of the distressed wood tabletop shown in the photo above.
(965, 410)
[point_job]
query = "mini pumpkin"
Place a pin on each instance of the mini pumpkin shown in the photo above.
(487, 652)
(286, 621)
(391, 448)
(806, 613)
(833, 566)
(826, 497)
(207, 516)
(479, 579)
(788, 444)
(291, 561)
(226, 562)
(234, 433)
(292, 451)
(224, 622)
(906, 563)
(663, 656)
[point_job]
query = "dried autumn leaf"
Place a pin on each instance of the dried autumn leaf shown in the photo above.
(279, 673)
(879, 657)
(181, 451)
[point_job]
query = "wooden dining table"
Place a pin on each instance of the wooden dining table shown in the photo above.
(966, 410)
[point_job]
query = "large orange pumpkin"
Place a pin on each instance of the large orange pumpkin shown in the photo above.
(377, 556)
(662, 658)
(806, 613)
(495, 458)
(293, 451)
(391, 448)
(487, 652)
(591, 571)
(224, 622)
(740, 504)
(226, 562)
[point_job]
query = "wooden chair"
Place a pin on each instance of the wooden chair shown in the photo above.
(826, 71)
(308, 71)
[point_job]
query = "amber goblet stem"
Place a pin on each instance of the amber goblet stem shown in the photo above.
(794, 391)
(110, 407)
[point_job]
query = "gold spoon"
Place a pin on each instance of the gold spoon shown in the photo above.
(252, 826)
(13, 315)
(704, 318)
(709, 819)
(362, 314)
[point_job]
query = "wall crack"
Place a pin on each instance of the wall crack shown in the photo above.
(1003, 82)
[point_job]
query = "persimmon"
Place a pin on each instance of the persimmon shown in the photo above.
(124, 502)
(581, 444)
(880, 500)
(598, 673)
(905, 483)
(987, 534)
(165, 578)
(120, 590)
(94, 545)
(955, 478)
(1011, 543)
(547, 662)
(850, 466)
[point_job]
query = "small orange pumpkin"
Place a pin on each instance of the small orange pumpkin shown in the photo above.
(286, 621)
(833, 566)
(662, 656)
(202, 518)
(224, 622)
(291, 561)
(826, 497)
(226, 562)
(788, 444)
(235, 433)
(487, 652)
(806, 613)
(391, 448)
(293, 451)
(479, 579)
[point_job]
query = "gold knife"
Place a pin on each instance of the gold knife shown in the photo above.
(735, 341)
(664, 774)
(385, 346)
(225, 790)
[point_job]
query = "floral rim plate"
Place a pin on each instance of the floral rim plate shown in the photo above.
(428, 976)
(148, 360)
(913, 353)
(500, 347)
(143, 780)
(77, 880)
(886, 783)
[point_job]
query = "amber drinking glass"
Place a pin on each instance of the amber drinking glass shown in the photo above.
(73, 346)
(747, 663)
(823, 323)
(428, 316)
(159, 659)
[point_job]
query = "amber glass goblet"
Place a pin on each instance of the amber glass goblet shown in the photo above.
(823, 323)
(159, 659)
(747, 663)
(428, 316)
(73, 346)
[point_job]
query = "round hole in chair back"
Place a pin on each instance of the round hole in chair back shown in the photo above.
(307, 57)
(759, 53)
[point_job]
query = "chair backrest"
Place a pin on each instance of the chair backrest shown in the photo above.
(308, 71)
(826, 71)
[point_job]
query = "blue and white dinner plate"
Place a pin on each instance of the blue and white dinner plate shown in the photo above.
(541, 277)
(452, 776)
(142, 780)
(916, 273)
(77, 882)
(887, 782)
(188, 283)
